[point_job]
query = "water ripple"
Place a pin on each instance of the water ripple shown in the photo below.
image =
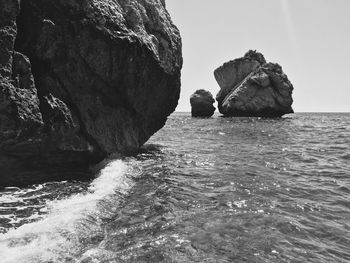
(202, 190)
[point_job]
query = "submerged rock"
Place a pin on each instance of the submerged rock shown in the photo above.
(80, 80)
(202, 104)
(252, 87)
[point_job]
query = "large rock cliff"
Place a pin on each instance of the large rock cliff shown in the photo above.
(252, 87)
(81, 79)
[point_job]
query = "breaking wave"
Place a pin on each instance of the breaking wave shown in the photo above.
(71, 224)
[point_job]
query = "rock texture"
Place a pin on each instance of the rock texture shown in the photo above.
(202, 104)
(81, 79)
(252, 87)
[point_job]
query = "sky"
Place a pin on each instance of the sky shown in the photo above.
(310, 39)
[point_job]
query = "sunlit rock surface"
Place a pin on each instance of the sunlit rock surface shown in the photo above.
(202, 104)
(81, 79)
(252, 87)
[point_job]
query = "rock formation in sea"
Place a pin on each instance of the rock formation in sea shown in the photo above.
(81, 79)
(202, 104)
(252, 87)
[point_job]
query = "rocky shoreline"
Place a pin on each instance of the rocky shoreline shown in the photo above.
(80, 80)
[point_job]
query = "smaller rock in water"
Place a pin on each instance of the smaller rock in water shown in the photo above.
(202, 103)
(251, 87)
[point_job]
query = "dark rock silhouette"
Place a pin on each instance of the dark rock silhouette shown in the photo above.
(252, 87)
(80, 80)
(202, 104)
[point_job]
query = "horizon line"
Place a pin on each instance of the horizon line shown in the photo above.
(286, 114)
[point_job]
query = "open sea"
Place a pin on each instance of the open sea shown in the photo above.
(201, 190)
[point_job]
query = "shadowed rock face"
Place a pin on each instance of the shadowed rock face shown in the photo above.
(81, 79)
(252, 87)
(202, 104)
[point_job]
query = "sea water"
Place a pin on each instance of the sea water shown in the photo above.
(201, 190)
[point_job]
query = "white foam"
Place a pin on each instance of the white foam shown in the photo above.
(57, 236)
